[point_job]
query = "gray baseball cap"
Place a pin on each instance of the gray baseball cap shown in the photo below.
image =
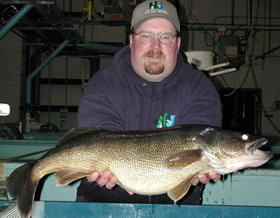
(150, 9)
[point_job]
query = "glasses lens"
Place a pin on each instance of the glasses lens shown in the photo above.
(146, 37)
(165, 38)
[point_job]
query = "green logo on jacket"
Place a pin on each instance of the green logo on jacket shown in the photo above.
(164, 122)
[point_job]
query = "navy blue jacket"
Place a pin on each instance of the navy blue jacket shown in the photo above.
(116, 98)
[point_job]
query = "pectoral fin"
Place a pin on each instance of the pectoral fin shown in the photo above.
(181, 190)
(183, 158)
(66, 176)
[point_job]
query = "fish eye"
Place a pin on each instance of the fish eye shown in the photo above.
(245, 137)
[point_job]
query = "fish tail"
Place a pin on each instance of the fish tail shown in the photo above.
(21, 187)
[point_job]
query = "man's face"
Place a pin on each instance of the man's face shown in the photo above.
(155, 60)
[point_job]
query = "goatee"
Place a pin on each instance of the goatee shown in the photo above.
(154, 67)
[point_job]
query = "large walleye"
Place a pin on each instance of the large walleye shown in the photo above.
(145, 162)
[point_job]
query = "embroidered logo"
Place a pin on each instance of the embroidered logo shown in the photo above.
(155, 5)
(164, 122)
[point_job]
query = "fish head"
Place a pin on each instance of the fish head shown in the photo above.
(229, 151)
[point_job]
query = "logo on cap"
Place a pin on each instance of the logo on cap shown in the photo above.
(155, 5)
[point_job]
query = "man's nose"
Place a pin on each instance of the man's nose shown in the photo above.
(156, 43)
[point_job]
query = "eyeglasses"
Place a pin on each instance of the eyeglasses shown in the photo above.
(148, 37)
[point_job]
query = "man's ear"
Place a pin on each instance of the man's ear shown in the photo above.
(178, 43)
(130, 40)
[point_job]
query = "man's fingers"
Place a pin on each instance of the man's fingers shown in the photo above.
(195, 181)
(93, 176)
(203, 178)
(214, 176)
(111, 182)
(104, 178)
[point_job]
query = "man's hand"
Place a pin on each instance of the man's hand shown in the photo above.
(205, 178)
(104, 179)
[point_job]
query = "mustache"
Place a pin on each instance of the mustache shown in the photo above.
(153, 53)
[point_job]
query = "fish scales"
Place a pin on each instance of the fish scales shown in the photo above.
(144, 162)
(145, 155)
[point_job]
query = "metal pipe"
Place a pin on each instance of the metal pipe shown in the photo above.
(216, 66)
(247, 12)
(222, 72)
(232, 11)
(23, 2)
(269, 33)
(15, 19)
(250, 12)
(29, 80)
(40, 68)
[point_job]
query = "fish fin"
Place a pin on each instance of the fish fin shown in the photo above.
(77, 132)
(68, 175)
(183, 158)
(181, 190)
(20, 186)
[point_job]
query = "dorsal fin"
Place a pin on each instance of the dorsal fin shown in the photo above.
(77, 132)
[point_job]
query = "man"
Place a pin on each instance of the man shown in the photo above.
(147, 86)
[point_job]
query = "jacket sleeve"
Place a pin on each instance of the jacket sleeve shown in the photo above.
(202, 104)
(98, 108)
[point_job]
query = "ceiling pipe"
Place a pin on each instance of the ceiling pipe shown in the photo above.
(32, 75)
(232, 11)
(24, 10)
(40, 68)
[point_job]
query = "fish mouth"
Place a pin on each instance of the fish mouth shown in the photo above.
(255, 145)
(254, 157)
